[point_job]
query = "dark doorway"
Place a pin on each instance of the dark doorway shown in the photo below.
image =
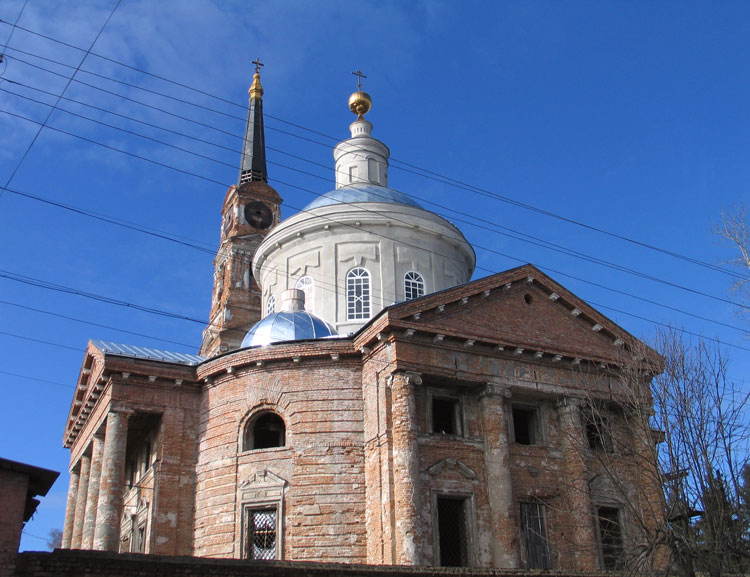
(452, 532)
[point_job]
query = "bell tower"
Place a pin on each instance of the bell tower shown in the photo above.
(250, 210)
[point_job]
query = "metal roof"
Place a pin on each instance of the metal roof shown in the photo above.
(287, 326)
(147, 353)
(363, 193)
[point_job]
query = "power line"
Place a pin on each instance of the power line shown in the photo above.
(544, 244)
(425, 173)
(14, 335)
(37, 379)
(90, 323)
(13, 27)
(541, 243)
(101, 298)
(54, 106)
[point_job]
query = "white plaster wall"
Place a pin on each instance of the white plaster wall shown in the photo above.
(386, 239)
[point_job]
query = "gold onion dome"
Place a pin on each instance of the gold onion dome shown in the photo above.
(360, 103)
(256, 90)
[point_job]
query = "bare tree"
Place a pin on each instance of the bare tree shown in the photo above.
(667, 439)
(54, 539)
(734, 228)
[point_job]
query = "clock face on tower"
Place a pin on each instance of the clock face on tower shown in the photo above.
(258, 214)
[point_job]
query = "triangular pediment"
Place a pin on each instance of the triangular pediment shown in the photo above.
(521, 310)
(263, 479)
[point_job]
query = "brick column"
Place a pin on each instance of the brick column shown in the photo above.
(109, 506)
(581, 546)
(92, 501)
(405, 469)
(81, 497)
(70, 509)
(499, 481)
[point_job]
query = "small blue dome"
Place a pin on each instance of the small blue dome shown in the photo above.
(287, 326)
(363, 193)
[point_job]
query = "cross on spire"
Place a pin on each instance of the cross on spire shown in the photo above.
(258, 64)
(359, 76)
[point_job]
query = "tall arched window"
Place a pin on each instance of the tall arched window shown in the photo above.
(357, 294)
(307, 286)
(413, 285)
(270, 305)
(265, 431)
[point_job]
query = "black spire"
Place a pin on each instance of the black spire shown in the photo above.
(253, 167)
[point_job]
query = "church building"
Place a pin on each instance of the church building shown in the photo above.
(357, 398)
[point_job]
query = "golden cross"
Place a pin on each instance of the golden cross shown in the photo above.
(258, 64)
(359, 76)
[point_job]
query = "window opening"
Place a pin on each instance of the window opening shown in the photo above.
(265, 432)
(357, 294)
(141, 539)
(525, 426)
(610, 537)
(452, 532)
(597, 430)
(413, 285)
(535, 536)
(445, 416)
(307, 286)
(270, 305)
(260, 534)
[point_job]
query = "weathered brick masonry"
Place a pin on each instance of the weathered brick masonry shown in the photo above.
(489, 424)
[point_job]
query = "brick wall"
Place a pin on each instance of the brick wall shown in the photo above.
(68, 563)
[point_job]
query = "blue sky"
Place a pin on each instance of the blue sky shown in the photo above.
(630, 117)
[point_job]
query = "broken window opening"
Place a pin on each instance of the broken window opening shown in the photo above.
(610, 537)
(535, 536)
(445, 416)
(526, 425)
(597, 430)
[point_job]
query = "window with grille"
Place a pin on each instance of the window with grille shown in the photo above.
(260, 534)
(357, 294)
(413, 285)
(270, 305)
(610, 537)
(453, 531)
(535, 536)
(307, 286)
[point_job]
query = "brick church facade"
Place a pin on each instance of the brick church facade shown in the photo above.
(433, 421)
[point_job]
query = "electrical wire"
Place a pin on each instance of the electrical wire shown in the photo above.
(423, 172)
(544, 243)
(54, 106)
(93, 324)
(31, 281)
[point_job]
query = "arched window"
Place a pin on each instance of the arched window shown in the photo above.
(270, 305)
(265, 431)
(413, 285)
(357, 294)
(307, 286)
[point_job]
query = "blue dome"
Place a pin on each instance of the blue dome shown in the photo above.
(362, 193)
(287, 326)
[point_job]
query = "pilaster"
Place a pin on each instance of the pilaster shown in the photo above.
(405, 452)
(499, 480)
(581, 545)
